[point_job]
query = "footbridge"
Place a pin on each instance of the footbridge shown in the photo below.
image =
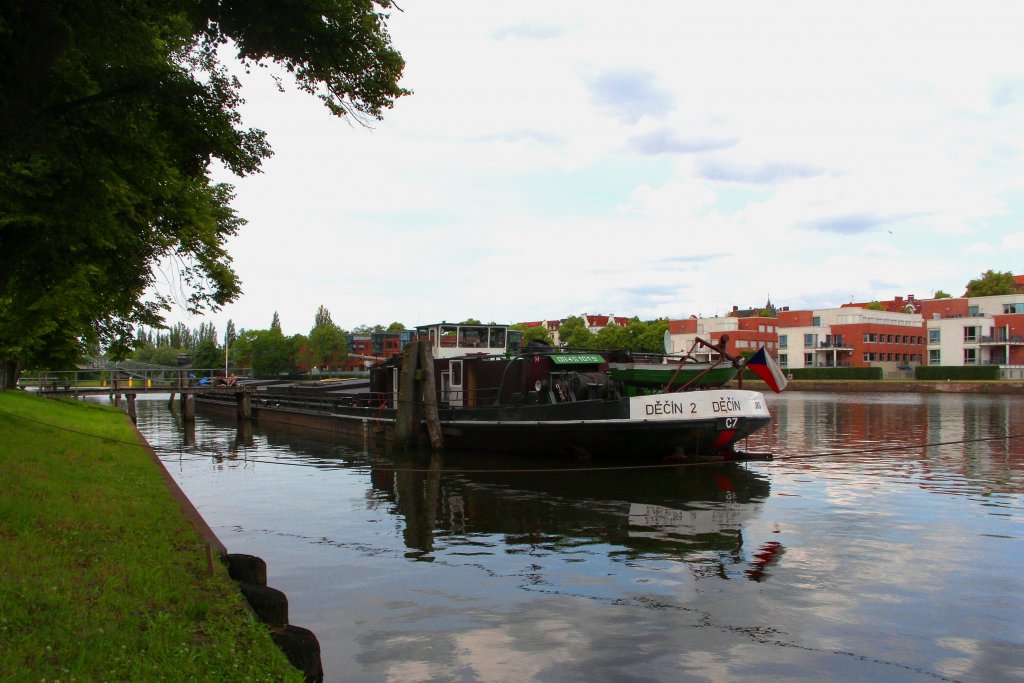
(101, 376)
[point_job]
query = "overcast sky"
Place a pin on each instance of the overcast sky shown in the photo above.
(662, 159)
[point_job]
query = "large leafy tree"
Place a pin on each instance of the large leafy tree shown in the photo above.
(111, 115)
(327, 343)
(573, 332)
(991, 283)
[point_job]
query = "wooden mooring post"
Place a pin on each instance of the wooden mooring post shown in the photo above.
(416, 398)
(131, 408)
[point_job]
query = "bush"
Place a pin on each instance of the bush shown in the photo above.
(967, 373)
(835, 373)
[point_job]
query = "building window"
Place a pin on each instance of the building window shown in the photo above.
(810, 340)
(783, 341)
(1013, 308)
(934, 336)
(783, 359)
(866, 357)
(970, 334)
(934, 357)
(866, 339)
(809, 360)
(816, 321)
(760, 328)
(972, 311)
(970, 356)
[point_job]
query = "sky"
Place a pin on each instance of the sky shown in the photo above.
(666, 159)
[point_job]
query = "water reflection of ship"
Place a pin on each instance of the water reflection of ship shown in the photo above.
(694, 513)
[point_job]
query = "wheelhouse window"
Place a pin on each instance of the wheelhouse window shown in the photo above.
(497, 338)
(472, 337)
(449, 336)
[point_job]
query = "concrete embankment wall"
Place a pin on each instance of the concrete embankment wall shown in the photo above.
(900, 386)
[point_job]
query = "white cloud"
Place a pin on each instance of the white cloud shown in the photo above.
(678, 160)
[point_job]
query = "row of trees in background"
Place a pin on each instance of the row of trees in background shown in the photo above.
(637, 335)
(268, 352)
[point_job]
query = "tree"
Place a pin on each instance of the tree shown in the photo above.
(573, 332)
(991, 283)
(208, 355)
(939, 294)
(272, 353)
(537, 333)
(275, 322)
(395, 327)
(229, 334)
(322, 317)
(875, 306)
(111, 117)
(612, 336)
(327, 343)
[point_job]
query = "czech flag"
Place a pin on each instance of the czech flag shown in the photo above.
(767, 369)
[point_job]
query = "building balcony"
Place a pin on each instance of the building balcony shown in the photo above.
(1015, 340)
(831, 345)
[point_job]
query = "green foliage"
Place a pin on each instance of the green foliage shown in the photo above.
(395, 327)
(939, 294)
(835, 373)
(322, 317)
(875, 306)
(111, 117)
(991, 283)
(229, 333)
(957, 372)
(269, 353)
(537, 333)
(208, 355)
(471, 321)
(637, 336)
(612, 336)
(573, 332)
(327, 343)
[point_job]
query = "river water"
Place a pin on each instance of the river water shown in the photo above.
(884, 542)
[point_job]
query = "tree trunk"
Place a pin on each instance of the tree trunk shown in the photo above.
(8, 374)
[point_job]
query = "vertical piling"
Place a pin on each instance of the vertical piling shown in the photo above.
(429, 393)
(244, 402)
(408, 414)
(188, 407)
(131, 408)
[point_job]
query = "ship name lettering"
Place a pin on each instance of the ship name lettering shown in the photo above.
(726, 405)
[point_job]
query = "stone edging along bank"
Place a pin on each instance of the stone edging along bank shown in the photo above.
(270, 605)
(894, 386)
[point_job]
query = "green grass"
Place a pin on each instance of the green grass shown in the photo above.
(101, 576)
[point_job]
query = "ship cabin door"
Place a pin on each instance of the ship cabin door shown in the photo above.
(451, 384)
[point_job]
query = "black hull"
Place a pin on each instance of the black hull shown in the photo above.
(595, 429)
(645, 441)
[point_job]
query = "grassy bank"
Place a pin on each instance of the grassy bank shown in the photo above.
(101, 576)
